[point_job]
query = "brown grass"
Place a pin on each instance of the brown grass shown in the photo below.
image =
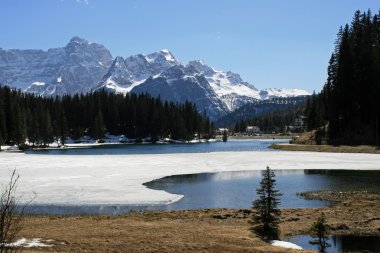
(208, 230)
(177, 231)
(327, 148)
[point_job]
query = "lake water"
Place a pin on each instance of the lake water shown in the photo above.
(340, 244)
(130, 149)
(236, 190)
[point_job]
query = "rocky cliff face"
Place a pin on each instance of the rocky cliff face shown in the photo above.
(75, 68)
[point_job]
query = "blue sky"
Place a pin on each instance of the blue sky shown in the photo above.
(270, 43)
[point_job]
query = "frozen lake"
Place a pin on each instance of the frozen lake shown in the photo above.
(118, 179)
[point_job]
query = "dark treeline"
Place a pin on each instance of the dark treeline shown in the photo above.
(349, 104)
(42, 120)
(273, 121)
(259, 108)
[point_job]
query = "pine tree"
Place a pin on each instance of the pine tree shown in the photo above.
(98, 127)
(225, 136)
(46, 128)
(320, 230)
(3, 130)
(267, 217)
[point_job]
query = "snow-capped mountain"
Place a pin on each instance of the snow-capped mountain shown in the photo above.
(214, 91)
(82, 67)
(75, 68)
(126, 74)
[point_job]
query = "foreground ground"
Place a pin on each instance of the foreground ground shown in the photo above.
(212, 230)
(327, 148)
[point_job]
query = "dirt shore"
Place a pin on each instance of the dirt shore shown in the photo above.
(327, 148)
(207, 230)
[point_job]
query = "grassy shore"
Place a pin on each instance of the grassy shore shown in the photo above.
(327, 148)
(207, 230)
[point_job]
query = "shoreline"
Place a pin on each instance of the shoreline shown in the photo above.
(362, 149)
(105, 144)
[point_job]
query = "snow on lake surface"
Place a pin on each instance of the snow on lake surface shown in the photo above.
(118, 179)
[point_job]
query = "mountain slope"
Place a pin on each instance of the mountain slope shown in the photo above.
(75, 68)
(180, 84)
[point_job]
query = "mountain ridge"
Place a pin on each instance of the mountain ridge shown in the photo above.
(82, 66)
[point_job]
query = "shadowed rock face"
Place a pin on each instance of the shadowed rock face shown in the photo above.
(180, 84)
(75, 68)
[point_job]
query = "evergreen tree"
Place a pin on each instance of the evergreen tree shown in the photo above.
(42, 120)
(3, 130)
(320, 230)
(267, 217)
(46, 128)
(98, 127)
(349, 102)
(225, 136)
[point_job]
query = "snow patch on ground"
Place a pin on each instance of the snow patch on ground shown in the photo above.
(29, 243)
(284, 244)
(118, 179)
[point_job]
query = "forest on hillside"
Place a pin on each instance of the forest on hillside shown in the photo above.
(259, 109)
(277, 120)
(347, 110)
(42, 120)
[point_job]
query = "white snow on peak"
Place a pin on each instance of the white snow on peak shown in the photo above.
(112, 85)
(39, 83)
(153, 57)
(168, 55)
(283, 92)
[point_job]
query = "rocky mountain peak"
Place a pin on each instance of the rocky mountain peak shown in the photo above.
(202, 67)
(78, 40)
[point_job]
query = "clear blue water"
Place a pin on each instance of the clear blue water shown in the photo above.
(340, 244)
(126, 149)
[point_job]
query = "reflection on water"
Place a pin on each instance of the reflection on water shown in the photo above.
(237, 190)
(340, 244)
(230, 146)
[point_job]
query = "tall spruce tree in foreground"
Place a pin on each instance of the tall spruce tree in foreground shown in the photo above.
(267, 217)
